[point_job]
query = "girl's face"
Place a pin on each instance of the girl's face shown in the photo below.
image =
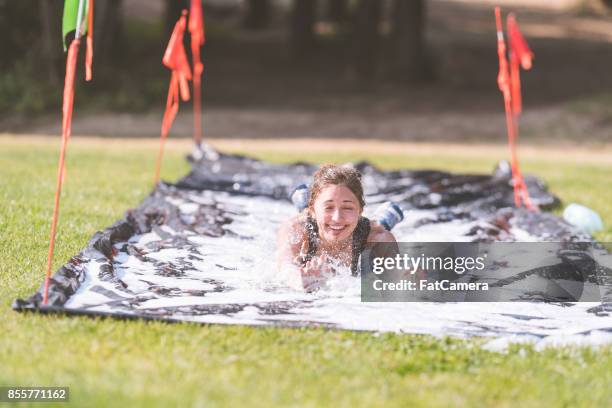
(336, 211)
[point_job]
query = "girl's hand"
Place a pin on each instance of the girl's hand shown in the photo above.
(313, 273)
(316, 267)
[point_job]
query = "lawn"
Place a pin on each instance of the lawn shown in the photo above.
(121, 363)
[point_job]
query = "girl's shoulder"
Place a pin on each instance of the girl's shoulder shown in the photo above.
(296, 225)
(378, 233)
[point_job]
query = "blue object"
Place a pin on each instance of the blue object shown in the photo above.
(300, 196)
(389, 215)
(583, 217)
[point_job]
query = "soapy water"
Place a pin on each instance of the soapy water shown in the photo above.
(233, 279)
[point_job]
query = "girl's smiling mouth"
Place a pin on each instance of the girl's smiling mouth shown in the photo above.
(336, 228)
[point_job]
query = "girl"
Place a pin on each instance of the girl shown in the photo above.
(330, 231)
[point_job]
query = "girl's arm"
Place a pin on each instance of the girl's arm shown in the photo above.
(378, 233)
(292, 246)
(290, 240)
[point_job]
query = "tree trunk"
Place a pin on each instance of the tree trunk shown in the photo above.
(109, 44)
(409, 59)
(366, 38)
(302, 26)
(19, 31)
(258, 14)
(50, 17)
(337, 10)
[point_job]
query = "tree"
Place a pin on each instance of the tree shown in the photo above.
(109, 36)
(302, 25)
(366, 38)
(258, 14)
(50, 23)
(19, 30)
(409, 59)
(337, 10)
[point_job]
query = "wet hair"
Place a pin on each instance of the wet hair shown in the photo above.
(332, 174)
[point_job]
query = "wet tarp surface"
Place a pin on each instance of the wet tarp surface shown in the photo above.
(203, 250)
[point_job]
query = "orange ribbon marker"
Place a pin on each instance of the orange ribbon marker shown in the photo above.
(67, 109)
(198, 38)
(174, 58)
(512, 101)
(89, 52)
(520, 56)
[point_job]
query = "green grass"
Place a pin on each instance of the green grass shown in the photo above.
(108, 362)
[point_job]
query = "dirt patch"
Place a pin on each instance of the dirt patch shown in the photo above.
(601, 154)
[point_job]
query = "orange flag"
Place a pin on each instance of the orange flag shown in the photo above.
(509, 88)
(196, 22)
(89, 51)
(520, 53)
(174, 58)
(503, 77)
(198, 38)
(67, 110)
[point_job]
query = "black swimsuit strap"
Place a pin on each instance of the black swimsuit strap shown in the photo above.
(360, 239)
(312, 231)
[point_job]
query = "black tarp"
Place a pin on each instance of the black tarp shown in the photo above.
(487, 199)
